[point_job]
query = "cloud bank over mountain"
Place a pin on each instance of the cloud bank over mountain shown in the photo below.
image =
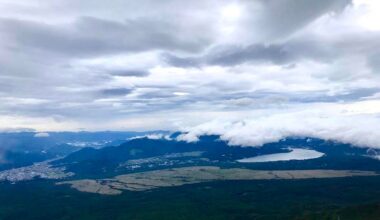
(354, 124)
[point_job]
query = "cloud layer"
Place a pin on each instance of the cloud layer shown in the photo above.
(128, 65)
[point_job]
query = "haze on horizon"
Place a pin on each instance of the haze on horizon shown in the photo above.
(251, 71)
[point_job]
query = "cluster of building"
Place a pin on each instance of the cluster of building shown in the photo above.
(42, 170)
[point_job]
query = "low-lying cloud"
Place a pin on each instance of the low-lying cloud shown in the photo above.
(354, 124)
(42, 135)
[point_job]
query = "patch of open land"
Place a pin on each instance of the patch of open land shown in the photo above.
(197, 174)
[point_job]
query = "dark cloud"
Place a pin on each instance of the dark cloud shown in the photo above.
(374, 62)
(233, 55)
(288, 52)
(281, 18)
(116, 91)
(128, 72)
(230, 55)
(344, 96)
(178, 61)
(92, 36)
(89, 36)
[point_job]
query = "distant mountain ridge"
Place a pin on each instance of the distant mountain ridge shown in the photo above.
(89, 161)
(19, 149)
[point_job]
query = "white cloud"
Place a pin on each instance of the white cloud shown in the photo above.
(41, 135)
(155, 136)
(348, 123)
(370, 13)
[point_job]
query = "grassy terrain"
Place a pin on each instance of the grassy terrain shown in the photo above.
(345, 198)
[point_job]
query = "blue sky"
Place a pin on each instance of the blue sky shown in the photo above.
(143, 65)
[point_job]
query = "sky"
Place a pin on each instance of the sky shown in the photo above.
(252, 71)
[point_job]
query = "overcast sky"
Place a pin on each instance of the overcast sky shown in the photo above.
(174, 64)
